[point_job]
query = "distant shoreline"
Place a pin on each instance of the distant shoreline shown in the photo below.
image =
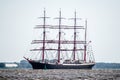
(25, 64)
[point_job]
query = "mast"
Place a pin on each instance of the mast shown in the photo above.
(74, 42)
(85, 40)
(44, 34)
(74, 50)
(43, 51)
(59, 36)
(59, 40)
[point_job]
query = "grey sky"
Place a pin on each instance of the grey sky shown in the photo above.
(18, 17)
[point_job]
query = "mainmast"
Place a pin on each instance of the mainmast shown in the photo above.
(59, 40)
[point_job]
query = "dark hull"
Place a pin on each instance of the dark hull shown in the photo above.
(38, 65)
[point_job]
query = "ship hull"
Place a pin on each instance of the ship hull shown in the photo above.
(38, 65)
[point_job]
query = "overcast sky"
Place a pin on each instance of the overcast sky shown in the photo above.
(18, 17)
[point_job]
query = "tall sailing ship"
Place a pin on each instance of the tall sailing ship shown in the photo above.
(60, 52)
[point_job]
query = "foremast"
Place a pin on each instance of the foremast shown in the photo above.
(44, 33)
